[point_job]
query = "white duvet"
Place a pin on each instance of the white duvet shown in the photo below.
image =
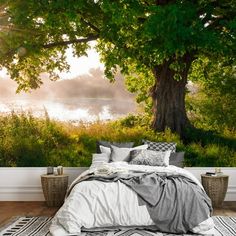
(93, 204)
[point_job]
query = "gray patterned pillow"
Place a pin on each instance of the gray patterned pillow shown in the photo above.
(150, 157)
(160, 146)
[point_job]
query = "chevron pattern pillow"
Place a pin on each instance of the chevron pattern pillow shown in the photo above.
(160, 146)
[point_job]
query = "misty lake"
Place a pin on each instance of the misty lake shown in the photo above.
(73, 109)
(87, 97)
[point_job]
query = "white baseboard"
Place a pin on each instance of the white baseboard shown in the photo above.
(21, 193)
(24, 184)
(231, 193)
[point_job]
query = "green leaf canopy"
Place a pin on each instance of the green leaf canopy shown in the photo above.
(34, 35)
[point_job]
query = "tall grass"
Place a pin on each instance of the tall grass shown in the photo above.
(29, 141)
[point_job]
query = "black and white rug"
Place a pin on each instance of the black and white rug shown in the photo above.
(38, 226)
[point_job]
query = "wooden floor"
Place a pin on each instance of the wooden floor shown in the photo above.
(10, 209)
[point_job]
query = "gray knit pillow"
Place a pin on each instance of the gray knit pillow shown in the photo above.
(150, 157)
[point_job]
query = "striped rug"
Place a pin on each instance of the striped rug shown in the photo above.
(24, 226)
(38, 226)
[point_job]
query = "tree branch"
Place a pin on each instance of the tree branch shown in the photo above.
(68, 42)
(95, 28)
(85, 21)
(164, 2)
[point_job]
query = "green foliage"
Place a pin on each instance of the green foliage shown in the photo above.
(213, 106)
(31, 35)
(139, 81)
(28, 141)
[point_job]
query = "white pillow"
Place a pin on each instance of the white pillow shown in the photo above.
(106, 150)
(99, 159)
(123, 154)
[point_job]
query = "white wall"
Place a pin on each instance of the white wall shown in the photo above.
(24, 184)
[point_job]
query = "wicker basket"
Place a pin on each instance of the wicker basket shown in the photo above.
(54, 188)
(216, 188)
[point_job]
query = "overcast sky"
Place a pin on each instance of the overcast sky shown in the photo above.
(78, 66)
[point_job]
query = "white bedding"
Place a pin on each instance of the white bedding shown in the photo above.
(108, 204)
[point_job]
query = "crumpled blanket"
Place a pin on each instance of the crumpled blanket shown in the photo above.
(175, 203)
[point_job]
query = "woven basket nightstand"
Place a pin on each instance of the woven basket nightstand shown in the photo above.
(216, 188)
(54, 188)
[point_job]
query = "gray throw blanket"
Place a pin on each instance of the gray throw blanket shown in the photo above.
(175, 203)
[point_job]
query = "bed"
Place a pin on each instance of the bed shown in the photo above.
(121, 190)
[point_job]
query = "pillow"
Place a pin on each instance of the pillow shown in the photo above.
(123, 154)
(106, 150)
(177, 159)
(98, 159)
(108, 144)
(160, 146)
(151, 158)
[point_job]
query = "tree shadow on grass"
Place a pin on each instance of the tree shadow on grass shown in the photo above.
(209, 137)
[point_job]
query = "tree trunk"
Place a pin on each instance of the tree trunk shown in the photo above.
(168, 97)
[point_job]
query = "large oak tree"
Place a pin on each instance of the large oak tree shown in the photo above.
(163, 37)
